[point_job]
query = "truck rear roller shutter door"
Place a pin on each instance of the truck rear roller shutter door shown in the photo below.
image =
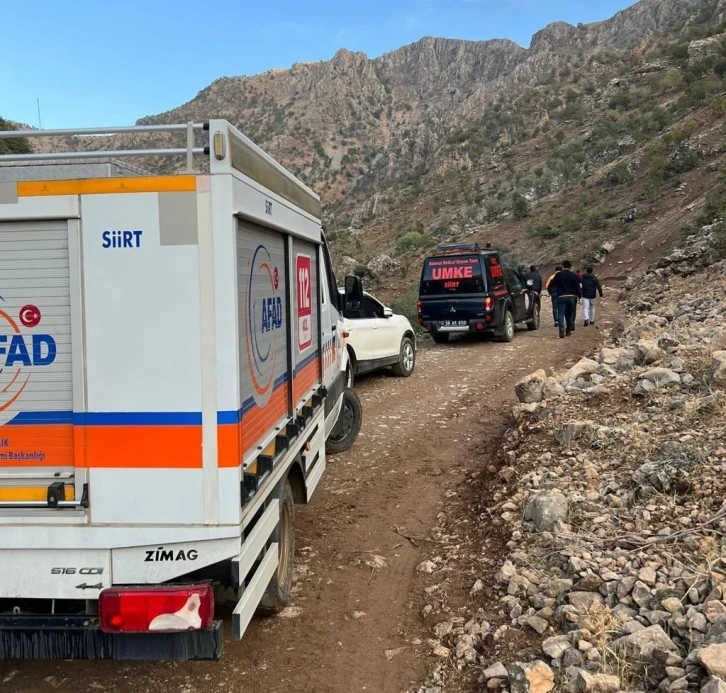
(36, 378)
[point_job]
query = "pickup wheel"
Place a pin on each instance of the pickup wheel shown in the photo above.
(347, 426)
(507, 334)
(533, 322)
(277, 594)
(440, 337)
(406, 359)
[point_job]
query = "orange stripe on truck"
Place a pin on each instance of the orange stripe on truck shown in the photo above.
(104, 186)
(154, 447)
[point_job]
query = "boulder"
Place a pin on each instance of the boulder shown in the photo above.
(556, 647)
(583, 367)
(713, 660)
(496, 671)
(552, 389)
(662, 377)
(535, 677)
(620, 359)
(647, 352)
(642, 646)
(531, 388)
(717, 375)
(597, 683)
(584, 601)
(545, 510)
(714, 685)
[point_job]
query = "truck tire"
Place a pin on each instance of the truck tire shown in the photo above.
(507, 333)
(440, 337)
(533, 322)
(406, 359)
(277, 594)
(347, 426)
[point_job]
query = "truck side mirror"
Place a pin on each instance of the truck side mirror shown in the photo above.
(353, 293)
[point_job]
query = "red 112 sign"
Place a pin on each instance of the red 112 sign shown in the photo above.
(303, 267)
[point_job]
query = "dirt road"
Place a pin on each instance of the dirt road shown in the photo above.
(353, 624)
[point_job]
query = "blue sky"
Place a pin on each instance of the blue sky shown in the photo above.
(102, 62)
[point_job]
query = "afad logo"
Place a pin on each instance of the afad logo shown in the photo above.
(264, 320)
(21, 353)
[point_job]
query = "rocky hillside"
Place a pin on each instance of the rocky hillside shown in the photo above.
(540, 150)
(602, 519)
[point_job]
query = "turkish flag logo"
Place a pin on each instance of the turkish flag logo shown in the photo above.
(30, 315)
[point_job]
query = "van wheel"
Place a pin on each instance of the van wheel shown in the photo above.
(406, 359)
(533, 322)
(277, 594)
(347, 426)
(507, 334)
(440, 337)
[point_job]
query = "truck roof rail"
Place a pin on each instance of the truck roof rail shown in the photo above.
(190, 150)
(228, 149)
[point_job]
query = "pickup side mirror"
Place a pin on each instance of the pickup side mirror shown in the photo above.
(353, 293)
(387, 313)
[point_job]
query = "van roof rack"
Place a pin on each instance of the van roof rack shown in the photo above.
(451, 248)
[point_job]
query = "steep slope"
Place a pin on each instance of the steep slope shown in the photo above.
(448, 139)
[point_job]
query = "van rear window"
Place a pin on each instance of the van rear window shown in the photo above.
(461, 274)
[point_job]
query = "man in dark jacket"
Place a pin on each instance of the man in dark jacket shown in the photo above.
(536, 278)
(568, 291)
(552, 289)
(591, 287)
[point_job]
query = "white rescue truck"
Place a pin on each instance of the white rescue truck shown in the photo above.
(172, 363)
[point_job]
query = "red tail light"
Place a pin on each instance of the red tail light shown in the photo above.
(147, 609)
(418, 307)
(488, 303)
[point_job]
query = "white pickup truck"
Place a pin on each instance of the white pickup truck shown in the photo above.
(378, 338)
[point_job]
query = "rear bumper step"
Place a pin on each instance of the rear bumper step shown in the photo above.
(80, 637)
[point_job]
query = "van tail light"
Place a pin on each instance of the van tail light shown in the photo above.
(418, 306)
(488, 303)
(156, 609)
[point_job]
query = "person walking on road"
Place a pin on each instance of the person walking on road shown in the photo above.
(552, 289)
(536, 278)
(591, 287)
(568, 291)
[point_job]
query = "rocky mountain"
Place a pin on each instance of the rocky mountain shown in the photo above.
(540, 149)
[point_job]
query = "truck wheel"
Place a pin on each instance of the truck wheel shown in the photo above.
(507, 334)
(347, 426)
(277, 595)
(440, 337)
(406, 359)
(533, 322)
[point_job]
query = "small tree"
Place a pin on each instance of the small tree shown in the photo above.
(18, 146)
(520, 207)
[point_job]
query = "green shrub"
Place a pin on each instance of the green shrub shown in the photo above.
(406, 305)
(411, 241)
(619, 174)
(520, 207)
(543, 231)
(718, 240)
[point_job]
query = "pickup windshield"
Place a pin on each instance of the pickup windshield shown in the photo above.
(461, 274)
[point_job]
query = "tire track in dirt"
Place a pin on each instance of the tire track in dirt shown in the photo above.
(351, 626)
